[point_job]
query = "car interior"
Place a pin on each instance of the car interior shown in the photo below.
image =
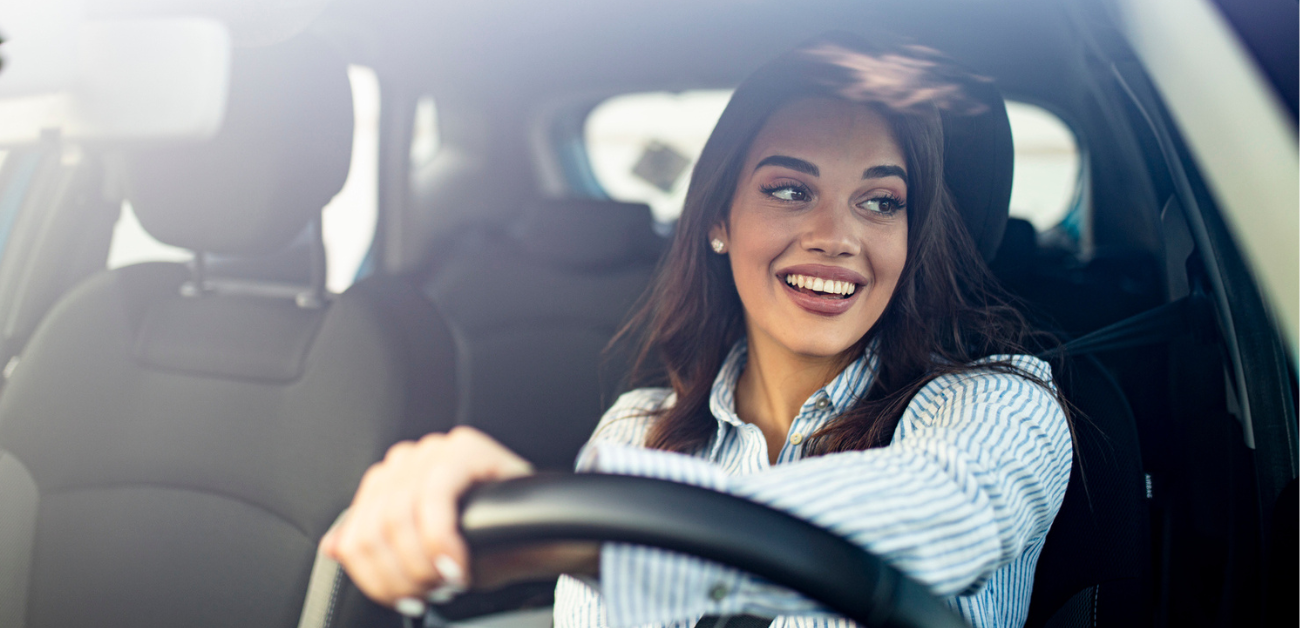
(176, 436)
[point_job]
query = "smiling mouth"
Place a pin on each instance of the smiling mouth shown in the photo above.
(821, 288)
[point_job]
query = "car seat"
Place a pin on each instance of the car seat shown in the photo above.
(533, 306)
(1095, 566)
(1094, 569)
(176, 437)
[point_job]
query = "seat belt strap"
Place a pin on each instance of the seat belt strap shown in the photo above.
(1192, 314)
(323, 588)
(733, 621)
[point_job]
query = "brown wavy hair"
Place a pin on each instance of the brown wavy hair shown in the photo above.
(947, 310)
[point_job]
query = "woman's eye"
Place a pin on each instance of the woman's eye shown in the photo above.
(882, 205)
(787, 193)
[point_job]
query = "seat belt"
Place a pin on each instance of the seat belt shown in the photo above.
(322, 589)
(1190, 315)
(733, 621)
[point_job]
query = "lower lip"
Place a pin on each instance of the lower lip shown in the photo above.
(818, 305)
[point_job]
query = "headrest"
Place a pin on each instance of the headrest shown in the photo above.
(588, 232)
(282, 153)
(978, 164)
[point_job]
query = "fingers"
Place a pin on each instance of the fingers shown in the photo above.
(401, 538)
(378, 545)
(377, 573)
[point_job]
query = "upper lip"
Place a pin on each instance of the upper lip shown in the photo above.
(834, 273)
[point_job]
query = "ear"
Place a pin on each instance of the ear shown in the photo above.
(719, 232)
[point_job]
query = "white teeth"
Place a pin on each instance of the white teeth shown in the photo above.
(821, 285)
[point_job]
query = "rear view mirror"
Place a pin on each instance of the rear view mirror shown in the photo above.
(148, 78)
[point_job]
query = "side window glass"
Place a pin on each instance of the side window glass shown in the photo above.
(347, 222)
(133, 245)
(643, 146)
(1046, 182)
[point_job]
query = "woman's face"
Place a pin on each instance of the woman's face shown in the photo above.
(817, 234)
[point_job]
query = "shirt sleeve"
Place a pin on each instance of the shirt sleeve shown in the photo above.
(975, 474)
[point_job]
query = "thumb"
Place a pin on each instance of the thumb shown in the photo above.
(328, 542)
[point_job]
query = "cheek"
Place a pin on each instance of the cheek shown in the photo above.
(896, 260)
(888, 250)
(755, 244)
(749, 269)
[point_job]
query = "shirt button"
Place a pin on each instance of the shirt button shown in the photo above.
(823, 403)
(796, 438)
(718, 592)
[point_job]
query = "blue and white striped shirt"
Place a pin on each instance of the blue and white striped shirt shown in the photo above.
(961, 499)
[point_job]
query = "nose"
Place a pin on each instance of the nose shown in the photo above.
(829, 231)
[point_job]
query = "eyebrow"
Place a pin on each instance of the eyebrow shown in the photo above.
(806, 167)
(880, 172)
(792, 163)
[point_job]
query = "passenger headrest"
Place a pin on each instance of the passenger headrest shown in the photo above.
(282, 153)
(978, 164)
(588, 232)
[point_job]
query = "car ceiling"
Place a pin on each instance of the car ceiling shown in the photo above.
(516, 48)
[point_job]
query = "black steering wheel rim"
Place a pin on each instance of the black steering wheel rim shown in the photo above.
(768, 543)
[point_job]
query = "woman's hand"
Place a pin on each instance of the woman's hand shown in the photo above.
(400, 538)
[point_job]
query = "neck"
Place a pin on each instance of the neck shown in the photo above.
(775, 384)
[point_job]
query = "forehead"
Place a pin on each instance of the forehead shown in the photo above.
(827, 132)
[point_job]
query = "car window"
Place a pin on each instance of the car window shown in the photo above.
(348, 221)
(1047, 166)
(132, 244)
(642, 148)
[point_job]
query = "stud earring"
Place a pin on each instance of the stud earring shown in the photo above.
(718, 246)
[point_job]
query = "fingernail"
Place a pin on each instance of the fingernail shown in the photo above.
(452, 574)
(453, 580)
(443, 594)
(409, 606)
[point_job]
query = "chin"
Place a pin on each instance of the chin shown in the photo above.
(823, 348)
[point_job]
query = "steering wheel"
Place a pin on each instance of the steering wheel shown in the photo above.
(768, 543)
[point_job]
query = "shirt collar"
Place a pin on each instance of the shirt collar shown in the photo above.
(842, 391)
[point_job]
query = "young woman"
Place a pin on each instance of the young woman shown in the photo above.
(835, 348)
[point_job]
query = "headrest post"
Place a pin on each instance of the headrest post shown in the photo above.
(314, 296)
(195, 287)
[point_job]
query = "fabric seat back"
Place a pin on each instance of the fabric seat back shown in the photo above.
(1094, 569)
(174, 443)
(533, 307)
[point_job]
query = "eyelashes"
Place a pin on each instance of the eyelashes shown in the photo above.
(792, 192)
(886, 204)
(883, 203)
